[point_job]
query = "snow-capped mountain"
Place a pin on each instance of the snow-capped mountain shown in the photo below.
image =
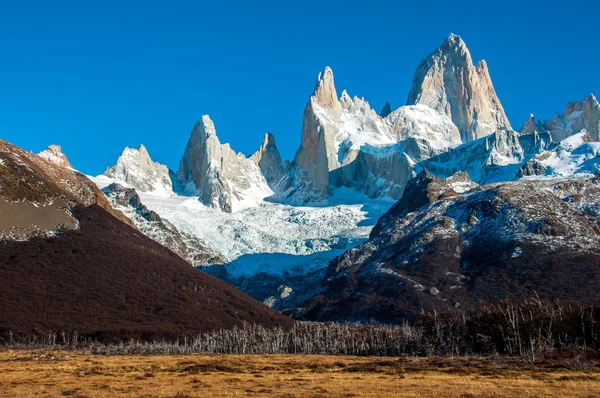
(278, 224)
(221, 177)
(136, 169)
(447, 81)
(578, 115)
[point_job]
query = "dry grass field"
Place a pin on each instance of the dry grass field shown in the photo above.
(76, 374)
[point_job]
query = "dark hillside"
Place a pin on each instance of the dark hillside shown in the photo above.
(69, 263)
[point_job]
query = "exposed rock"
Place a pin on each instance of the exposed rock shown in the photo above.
(224, 179)
(316, 155)
(187, 246)
(345, 143)
(496, 157)
(386, 110)
(268, 159)
(576, 155)
(531, 126)
(448, 81)
(578, 116)
(136, 168)
(54, 154)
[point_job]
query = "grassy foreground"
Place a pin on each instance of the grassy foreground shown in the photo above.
(69, 373)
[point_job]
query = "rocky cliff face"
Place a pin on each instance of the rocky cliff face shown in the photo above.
(187, 246)
(578, 116)
(448, 81)
(439, 248)
(223, 178)
(345, 143)
(268, 159)
(136, 169)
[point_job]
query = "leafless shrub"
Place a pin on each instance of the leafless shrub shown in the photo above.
(532, 329)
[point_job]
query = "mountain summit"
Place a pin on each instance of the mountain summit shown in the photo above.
(448, 81)
(223, 178)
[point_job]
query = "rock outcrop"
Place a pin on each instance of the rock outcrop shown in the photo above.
(578, 116)
(531, 126)
(136, 169)
(496, 157)
(222, 178)
(54, 154)
(268, 159)
(448, 81)
(386, 110)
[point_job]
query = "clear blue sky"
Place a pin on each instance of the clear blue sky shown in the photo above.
(96, 76)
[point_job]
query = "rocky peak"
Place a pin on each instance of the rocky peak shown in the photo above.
(268, 159)
(448, 81)
(54, 154)
(223, 178)
(386, 110)
(324, 93)
(530, 126)
(578, 115)
(136, 169)
(455, 48)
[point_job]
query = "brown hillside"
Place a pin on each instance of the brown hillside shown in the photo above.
(104, 279)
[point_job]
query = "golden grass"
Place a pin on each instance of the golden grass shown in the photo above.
(64, 373)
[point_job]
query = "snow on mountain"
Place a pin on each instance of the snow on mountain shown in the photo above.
(578, 116)
(136, 169)
(438, 249)
(448, 81)
(574, 156)
(345, 143)
(278, 224)
(54, 154)
(187, 246)
(268, 244)
(221, 178)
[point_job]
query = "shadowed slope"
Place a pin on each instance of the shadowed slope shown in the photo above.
(101, 277)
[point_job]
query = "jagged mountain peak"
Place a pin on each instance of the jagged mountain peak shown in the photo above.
(222, 178)
(447, 81)
(578, 115)
(269, 161)
(454, 44)
(54, 154)
(205, 127)
(530, 126)
(136, 168)
(324, 93)
(386, 110)
(269, 141)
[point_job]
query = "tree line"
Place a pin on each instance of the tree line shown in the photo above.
(530, 328)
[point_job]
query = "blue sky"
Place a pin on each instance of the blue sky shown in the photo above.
(95, 77)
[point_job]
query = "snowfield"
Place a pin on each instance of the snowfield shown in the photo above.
(271, 238)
